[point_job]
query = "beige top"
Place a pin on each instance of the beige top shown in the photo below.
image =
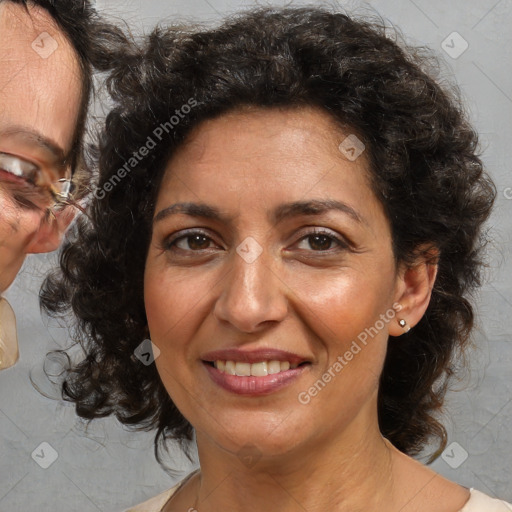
(8, 338)
(478, 502)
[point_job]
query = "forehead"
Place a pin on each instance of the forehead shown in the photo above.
(296, 148)
(40, 76)
(248, 166)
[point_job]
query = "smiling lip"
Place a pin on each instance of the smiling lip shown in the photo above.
(252, 385)
(253, 356)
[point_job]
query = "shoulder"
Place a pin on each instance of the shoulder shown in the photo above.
(480, 502)
(157, 503)
(154, 504)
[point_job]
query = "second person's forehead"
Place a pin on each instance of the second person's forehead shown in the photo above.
(40, 78)
(32, 43)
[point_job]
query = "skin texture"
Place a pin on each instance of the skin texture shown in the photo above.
(39, 95)
(201, 295)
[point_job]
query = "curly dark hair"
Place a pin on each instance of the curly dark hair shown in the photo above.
(97, 44)
(423, 160)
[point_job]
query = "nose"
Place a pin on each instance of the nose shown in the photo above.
(253, 295)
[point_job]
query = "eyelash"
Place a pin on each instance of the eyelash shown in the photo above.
(29, 181)
(170, 245)
(25, 191)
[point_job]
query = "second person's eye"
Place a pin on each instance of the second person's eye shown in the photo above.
(15, 168)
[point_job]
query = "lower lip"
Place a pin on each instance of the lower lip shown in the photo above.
(254, 386)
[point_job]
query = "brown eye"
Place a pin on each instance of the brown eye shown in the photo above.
(193, 241)
(321, 241)
(197, 242)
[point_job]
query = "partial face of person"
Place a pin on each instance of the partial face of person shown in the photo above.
(40, 94)
(270, 264)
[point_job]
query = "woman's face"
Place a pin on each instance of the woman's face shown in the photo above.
(40, 92)
(269, 249)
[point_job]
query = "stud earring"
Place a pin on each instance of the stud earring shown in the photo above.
(403, 325)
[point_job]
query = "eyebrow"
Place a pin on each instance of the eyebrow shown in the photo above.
(36, 138)
(282, 212)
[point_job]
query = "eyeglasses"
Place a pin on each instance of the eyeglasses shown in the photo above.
(33, 186)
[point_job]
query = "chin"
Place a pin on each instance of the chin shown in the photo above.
(258, 443)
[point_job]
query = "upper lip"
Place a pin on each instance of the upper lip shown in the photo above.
(253, 356)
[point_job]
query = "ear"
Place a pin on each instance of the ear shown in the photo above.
(51, 230)
(414, 290)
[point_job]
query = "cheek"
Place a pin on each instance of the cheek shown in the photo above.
(17, 226)
(17, 229)
(344, 314)
(176, 306)
(344, 304)
(10, 218)
(172, 298)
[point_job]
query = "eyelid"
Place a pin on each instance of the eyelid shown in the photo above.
(39, 187)
(8, 158)
(341, 241)
(45, 175)
(168, 241)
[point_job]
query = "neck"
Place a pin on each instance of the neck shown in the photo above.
(351, 474)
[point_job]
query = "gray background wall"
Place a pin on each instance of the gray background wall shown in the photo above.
(109, 468)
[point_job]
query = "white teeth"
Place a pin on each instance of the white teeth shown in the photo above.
(260, 369)
(274, 367)
(230, 368)
(243, 369)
